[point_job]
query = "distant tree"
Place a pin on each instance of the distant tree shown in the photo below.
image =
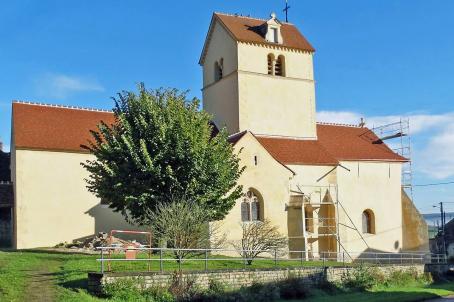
(161, 148)
(259, 237)
(183, 225)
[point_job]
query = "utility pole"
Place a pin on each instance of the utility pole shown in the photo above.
(443, 222)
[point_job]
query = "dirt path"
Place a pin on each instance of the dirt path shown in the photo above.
(41, 283)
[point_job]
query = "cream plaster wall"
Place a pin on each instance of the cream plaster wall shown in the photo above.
(52, 202)
(274, 105)
(220, 45)
(375, 186)
(269, 178)
(220, 101)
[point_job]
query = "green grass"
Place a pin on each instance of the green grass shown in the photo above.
(416, 292)
(69, 277)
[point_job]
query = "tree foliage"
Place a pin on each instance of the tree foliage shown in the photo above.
(161, 148)
(259, 237)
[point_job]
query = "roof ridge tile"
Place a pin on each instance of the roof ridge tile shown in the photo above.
(61, 106)
(249, 17)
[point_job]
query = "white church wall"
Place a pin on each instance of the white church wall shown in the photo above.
(269, 178)
(220, 45)
(276, 105)
(53, 204)
(221, 99)
(375, 186)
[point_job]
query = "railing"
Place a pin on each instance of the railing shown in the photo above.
(266, 258)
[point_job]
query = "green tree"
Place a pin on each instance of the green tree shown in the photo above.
(159, 149)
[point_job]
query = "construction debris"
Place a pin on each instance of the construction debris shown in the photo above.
(100, 240)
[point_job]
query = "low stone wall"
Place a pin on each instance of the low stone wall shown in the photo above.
(312, 276)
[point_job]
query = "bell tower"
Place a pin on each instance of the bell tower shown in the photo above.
(258, 76)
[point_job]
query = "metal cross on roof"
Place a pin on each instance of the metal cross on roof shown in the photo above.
(286, 10)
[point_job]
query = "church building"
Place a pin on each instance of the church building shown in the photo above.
(329, 188)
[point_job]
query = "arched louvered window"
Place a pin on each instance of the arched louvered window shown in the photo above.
(251, 207)
(279, 67)
(271, 64)
(368, 222)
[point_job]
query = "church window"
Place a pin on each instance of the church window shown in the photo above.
(279, 68)
(256, 160)
(218, 67)
(271, 64)
(368, 222)
(251, 207)
(245, 211)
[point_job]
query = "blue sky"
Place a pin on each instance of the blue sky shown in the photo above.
(375, 59)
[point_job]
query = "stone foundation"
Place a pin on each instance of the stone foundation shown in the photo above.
(312, 276)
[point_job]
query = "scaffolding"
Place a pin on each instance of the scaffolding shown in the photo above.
(397, 135)
(320, 210)
(320, 207)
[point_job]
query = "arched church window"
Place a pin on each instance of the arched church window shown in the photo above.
(368, 222)
(218, 67)
(250, 207)
(279, 68)
(271, 64)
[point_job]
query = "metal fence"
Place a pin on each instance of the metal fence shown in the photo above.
(265, 258)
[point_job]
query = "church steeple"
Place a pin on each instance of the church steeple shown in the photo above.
(267, 84)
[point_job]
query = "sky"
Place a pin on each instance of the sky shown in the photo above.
(381, 60)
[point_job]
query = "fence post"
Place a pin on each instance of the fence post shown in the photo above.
(323, 256)
(161, 268)
(179, 261)
(102, 261)
(244, 259)
(275, 257)
(401, 259)
(343, 258)
(206, 260)
(302, 254)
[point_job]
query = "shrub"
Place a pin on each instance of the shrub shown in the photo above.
(133, 290)
(362, 278)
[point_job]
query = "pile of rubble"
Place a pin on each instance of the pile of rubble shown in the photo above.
(100, 240)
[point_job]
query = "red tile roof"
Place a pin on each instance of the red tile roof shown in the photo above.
(48, 127)
(335, 143)
(296, 151)
(246, 29)
(354, 143)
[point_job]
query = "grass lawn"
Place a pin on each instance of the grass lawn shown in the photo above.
(51, 276)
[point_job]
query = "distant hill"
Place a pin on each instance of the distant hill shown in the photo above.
(433, 218)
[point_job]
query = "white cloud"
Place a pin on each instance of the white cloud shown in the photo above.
(61, 86)
(435, 156)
